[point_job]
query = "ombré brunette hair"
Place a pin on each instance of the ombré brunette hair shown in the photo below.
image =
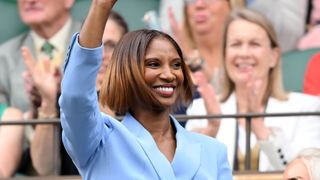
(124, 86)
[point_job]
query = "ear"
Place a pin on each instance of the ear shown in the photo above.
(275, 57)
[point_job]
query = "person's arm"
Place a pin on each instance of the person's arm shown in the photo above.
(81, 121)
(45, 86)
(284, 144)
(42, 145)
(11, 140)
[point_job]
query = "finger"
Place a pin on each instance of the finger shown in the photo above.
(46, 65)
(28, 59)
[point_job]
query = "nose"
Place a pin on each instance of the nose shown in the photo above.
(244, 51)
(167, 74)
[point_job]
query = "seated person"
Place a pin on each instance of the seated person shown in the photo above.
(253, 84)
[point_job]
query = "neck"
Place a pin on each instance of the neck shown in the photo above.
(48, 30)
(157, 123)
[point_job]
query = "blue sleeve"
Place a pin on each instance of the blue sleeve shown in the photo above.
(81, 120)
(224, 170)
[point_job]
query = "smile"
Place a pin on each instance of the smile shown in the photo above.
(164, 91)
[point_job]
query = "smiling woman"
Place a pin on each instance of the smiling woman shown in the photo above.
(253, 84)
(145, 79)
(154, 59)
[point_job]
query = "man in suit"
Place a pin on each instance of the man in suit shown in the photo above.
(49, 21)
(51, 28)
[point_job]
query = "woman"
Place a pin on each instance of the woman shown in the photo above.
(200, 36)
(253, 84)
(145, 79)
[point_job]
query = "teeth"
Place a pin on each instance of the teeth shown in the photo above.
(166, 89)
(245, 65)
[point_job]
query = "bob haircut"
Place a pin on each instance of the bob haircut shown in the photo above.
(124, 86)
(275, 86)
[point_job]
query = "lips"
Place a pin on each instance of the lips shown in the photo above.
(165, 90)
(245, 67)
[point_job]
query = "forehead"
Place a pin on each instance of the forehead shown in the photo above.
(161, 45)
(297, 169)
(240, 28)
(112, 31)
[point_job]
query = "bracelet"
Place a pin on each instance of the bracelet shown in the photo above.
(42, 115)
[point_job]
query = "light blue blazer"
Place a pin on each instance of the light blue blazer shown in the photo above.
(104, 148)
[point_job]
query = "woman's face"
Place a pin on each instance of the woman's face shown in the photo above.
(205, 15)
(248, 52)
(296, 169)
(163, 71)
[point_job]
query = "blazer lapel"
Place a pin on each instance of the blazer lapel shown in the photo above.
(187, 157)
(159, 162)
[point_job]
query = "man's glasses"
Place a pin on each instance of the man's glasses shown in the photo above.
(109, 45)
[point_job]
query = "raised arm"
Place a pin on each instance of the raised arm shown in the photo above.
(92, 30)
(83, 127)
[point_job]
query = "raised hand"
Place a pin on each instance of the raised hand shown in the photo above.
(211, 102)
(255, 93)
(179, 34)
(43, 80)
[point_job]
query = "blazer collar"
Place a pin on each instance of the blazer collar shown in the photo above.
(186, 160)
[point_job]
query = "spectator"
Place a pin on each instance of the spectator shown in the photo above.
(305, 166)
(51, 27)
(49, 21)
(311, 83)
(252, 84)
(200, 36)
(115, 28)
(145, 79)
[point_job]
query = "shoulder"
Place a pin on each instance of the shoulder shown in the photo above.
(304, 99)
(208, 143)
(13, 44)
(298, 102)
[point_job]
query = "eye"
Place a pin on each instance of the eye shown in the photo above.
(235, 44)
(177, 64)
(152, 63)
(255, 44)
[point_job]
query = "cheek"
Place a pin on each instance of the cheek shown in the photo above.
(148, 76)
(180, 77)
